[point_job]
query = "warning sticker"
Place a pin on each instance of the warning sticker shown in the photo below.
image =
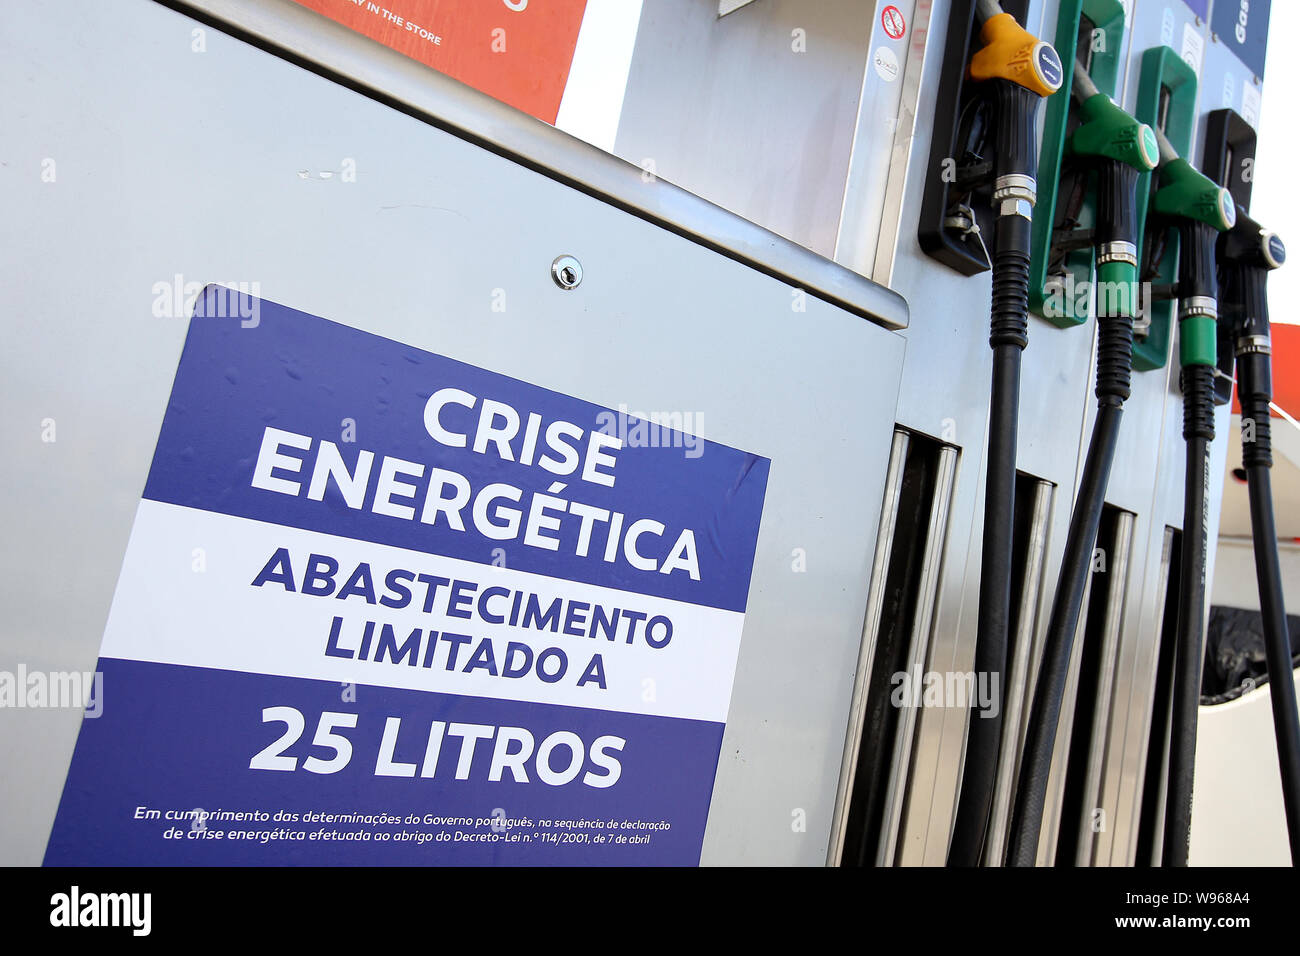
(1193, 47)
(891, 18)
(886, 63)
(382, 607)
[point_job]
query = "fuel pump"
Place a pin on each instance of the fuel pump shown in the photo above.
(1120, 148)
(1202, 210)
(1246, 255)
(1019, 70)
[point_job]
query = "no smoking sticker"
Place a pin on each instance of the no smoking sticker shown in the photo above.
(892, 20)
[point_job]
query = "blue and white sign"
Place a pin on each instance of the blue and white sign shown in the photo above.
(383, 607)
(1243, 26)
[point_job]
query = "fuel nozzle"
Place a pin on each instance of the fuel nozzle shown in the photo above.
(1203, 209)
(1021, 69)
(1250, 245)
(1248, 253)
(1186, 193)
(1122, 149)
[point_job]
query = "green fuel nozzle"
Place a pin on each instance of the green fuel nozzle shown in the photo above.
(1186, 193)
(1122, 147)
(1107, 132)
(1202, 209)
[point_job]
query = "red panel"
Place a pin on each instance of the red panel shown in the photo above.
(520, 57)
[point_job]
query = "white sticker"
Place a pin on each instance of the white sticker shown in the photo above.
(1229, 90)
(1250, 103)
(1167, 28)
(886, 64)
(1193, 47)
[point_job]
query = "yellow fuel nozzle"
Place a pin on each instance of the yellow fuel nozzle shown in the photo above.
(1010, 52)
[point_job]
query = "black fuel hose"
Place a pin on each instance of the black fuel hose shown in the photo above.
(1198, 294)
(1018, 70)
(1117, 263)
(1251, 252)
(1014, 194)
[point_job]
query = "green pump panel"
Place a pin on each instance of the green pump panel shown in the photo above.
(1095, 27)
(1166, 100)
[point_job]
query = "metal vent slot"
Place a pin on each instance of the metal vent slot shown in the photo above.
(1081, 813)
(1047, 842)
(896, 638)
(1032, 534)
(1151, 821)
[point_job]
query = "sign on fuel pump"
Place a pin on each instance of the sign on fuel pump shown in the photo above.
(516, 51)
(380, 606)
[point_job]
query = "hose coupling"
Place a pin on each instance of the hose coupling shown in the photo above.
(1254, 345)
(1117, 251)
(1015, 186)
(1198, 305)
